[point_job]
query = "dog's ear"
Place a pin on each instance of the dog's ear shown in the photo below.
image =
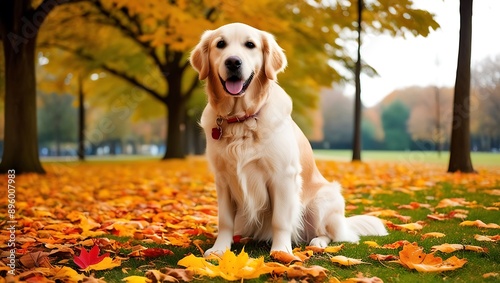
(199, 55)
(274, 57)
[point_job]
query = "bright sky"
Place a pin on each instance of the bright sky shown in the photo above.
(432, 60)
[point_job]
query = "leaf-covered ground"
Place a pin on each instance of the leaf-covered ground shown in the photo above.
(148, 221)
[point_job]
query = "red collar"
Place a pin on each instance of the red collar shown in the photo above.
(241, 119)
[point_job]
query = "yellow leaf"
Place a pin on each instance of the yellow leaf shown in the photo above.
(136, 279)
(371, 244)
(64, 273)
(342, 260)
(333, 249)
(480, 224)
(433, 235)
(106, 263)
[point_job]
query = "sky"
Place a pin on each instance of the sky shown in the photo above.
(431, 60)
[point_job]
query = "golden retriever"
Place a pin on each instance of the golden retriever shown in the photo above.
(268, 185)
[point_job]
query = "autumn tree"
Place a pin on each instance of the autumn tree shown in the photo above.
(356, 146)
(20, 22)
(460, 145)
(164, 32)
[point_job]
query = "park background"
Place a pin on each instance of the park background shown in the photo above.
(101, 90)
(96, 60)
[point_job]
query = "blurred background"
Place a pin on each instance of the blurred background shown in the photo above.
(112, 75)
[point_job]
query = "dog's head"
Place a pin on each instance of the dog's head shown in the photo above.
(236, 58)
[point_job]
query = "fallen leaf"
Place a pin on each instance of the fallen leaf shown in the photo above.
(413, 257)
(231, 267)
(480, 224)
(104, 264)
(315, 273)
(449, 248)
(346, 261)
(360, 278)
(86, 259)
(136, 279)
(381, 257)
(284, 257)
(395, 245)
(433, 235)
(371, 244)
(450, 202)
(405, 227)
(156, 252)
(157, 276)
(414, 205)
(485, 238)
(491, 274)
(329, 249)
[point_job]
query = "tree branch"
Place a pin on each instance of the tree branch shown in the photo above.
(42, 11)
(127, 30)
(130, 79)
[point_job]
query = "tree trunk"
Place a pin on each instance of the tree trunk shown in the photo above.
(460, 134)
(21, 136)
(356, 148)
(81, 120)
(176, 112)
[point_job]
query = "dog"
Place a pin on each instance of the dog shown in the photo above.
(268, 185)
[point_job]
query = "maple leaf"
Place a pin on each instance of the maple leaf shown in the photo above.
(413, 257)
(92, 261)
(231, 266)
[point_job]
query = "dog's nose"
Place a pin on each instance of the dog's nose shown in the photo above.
(233, 63)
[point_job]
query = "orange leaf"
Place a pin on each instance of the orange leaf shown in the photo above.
(433, 235)
(480, 224)
(380, 257)
(413, 257)
(284, 257)
(449, 248)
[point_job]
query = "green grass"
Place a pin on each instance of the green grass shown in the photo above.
(478, 158)
(477, 265)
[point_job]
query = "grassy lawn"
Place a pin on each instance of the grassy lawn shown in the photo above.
(130, 202)
(408, 157)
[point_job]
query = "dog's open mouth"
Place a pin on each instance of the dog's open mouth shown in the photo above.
(235, 85)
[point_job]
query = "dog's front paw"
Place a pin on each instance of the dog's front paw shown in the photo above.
(213, 252)
(321, 242)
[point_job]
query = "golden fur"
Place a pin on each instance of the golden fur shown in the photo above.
(267, 182)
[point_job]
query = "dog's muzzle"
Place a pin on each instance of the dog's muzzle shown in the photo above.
(235, 84)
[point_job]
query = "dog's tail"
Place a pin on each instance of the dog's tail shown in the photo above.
(366, 225)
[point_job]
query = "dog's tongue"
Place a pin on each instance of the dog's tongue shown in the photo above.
(234, 87)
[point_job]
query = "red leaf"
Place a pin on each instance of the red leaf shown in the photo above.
(156, 252)
(85, 259)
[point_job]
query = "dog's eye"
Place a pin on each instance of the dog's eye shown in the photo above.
(250, 44)
(221, 44)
